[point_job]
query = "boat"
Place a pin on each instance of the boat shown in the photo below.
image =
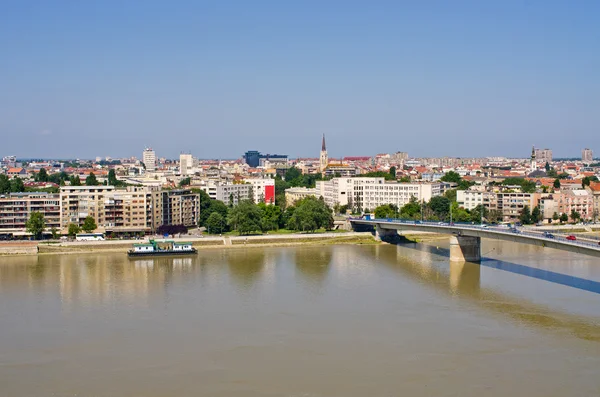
(161, 248)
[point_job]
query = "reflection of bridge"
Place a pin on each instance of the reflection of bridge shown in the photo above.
(465, 244)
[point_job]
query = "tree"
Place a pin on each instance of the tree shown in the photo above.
(575, 216)
(563, 175)
(41, 176)
(112, 178)
(547, 167)
(311, 214)
(386, 211)
(525, 216)
(450, 195)
(215, 223)
(293, 174)
(494, 216)
(556, 183)
(412, 209)
(36, 224)
(440, 206)
(564, 218)
(245, 217)
(91, 180)
(75, 181)
(271, 216)
(17, 185)
(89, 224)
(393, 172)
(73, 229)
(464, 184)
(536, 215)
(552, 173)
(555, 216)
(4, 184)
(451, 176)
(185, 182)
(54, 232)
(405, 179)
(477, 215)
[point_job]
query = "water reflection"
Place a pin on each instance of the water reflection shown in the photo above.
(313, 265)
(246, 265)
(464, 281)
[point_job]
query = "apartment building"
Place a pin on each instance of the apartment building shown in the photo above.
(587, 156)
(369, 193)
(580, 201)
(228, 193)
(180, 207)
(595, 190)
(79, 202)
(16, 208)
(149, 159)
(510, 205)
(186, 164)
(263, 189)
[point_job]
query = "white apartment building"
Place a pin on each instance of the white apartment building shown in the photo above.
(149, 160)
(369, 193)
(228, 193)
(263, 189)
(587, 156)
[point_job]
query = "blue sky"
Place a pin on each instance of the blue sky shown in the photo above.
(217, 78)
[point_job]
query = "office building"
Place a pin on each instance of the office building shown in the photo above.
(587, 156)
(256, 159)
(186, 164)
(543, 155)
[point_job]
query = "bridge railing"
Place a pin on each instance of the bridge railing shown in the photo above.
(486, 228)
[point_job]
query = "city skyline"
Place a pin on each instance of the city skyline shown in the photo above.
(465, 79)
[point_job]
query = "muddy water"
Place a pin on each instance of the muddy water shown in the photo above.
(302, 321)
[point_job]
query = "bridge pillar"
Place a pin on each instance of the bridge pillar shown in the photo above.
(465, 249)
(382, 234)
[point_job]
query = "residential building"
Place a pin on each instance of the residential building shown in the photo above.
(79, 202)
(228, 193)
(587, 156)
(16, 171)
(509, 204)
(595, 190)
(543, 155)
(16, 209)
(149, 159)
(180, 207)
(580, 201)
(263, 189)
(294, 194)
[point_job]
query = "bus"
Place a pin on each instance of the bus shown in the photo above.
(89, 237)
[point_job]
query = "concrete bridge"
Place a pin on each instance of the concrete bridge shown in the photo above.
(465, 243)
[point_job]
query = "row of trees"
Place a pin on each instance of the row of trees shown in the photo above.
(247, 217)
(36, 224)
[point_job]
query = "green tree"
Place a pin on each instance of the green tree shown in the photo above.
(412, 209)
(494, 216)
(112, 178)
(73, 229)
(36, 224)
(575, 216)
(185, 182)
(405, 179)
(393, 172)
(245, 217)
(293, 176)
(525, 216)
(451, 176)
(450, 194)
(91, 180)
(477, 215)
(215, 223)
(17, 185)
(54, 232)
(563, 175)
(75, 181)
(556, 183)
(41, 176)
(89, 224)
(464, 184)
(440, 206)
(552, 173)
(536, 215)
(386, 211)
(547, 167)
(555, 216)
(564, 218)
(271, 216)
(311, 214)
(4, 184)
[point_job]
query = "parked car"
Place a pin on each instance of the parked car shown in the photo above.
(571, 237)
(548, 235)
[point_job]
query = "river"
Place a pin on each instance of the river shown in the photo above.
(372, 320)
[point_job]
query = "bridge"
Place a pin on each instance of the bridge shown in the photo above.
(465, 243)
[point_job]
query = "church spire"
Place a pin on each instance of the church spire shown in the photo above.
(323, 148)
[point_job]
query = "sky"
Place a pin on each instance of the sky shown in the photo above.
(81, 79)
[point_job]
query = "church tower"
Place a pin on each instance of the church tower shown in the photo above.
(323, 160)
(533, 162)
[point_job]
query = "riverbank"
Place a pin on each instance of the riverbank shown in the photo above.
(228, 242)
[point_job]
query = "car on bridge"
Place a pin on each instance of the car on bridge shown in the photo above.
(571, 237)
(548, 235)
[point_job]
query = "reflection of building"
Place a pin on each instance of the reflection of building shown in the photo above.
(16, 208)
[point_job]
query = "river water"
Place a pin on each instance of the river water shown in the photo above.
(302, 321)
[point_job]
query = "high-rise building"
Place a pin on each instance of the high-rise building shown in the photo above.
(255, 159)
(323, 159)
(149, 159)
(186, 163)
(543, 155)
(587, 156)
